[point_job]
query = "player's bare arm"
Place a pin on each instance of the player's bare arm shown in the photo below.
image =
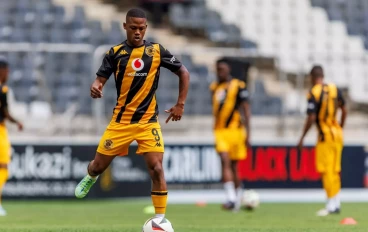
(341, 105)
(308, 124)
(176, 112)
(247, 113)
(13, 120)
(96, 87)
(344, 114)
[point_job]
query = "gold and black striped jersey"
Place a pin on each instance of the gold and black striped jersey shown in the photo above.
(3, 102)
(226, 100)
(324, 100)
(137, 71)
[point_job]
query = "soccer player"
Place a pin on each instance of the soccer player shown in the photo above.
(136, 64)
(230, 100)
(324, 100)
(4, 141)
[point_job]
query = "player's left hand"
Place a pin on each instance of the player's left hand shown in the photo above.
(176, 112)
(300, 145)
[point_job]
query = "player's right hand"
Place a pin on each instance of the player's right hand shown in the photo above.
(96, 90)
(20, 126)
(176, 112)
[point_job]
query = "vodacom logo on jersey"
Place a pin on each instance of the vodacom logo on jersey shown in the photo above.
(137, 64)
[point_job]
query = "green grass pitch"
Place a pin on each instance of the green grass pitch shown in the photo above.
(128, 216)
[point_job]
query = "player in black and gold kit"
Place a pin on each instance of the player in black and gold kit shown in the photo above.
(230, 100)
(4, 115)
(324, 100)
(136, 65)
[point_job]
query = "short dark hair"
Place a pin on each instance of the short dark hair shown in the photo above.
(317, 71)
(136, 13)
(222, 60)
(3, 62)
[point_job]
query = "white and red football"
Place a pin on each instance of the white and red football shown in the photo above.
(157, 224)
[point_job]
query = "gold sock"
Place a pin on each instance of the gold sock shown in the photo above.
(336, 187)
(3, 178)
(328, 183)
(159, 200)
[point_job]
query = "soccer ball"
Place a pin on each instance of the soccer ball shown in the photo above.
(250, 200)
(157, 224)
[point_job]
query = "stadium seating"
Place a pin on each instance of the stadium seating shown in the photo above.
(333, 33)
(262, 104)
(59, 77)
(198, 19)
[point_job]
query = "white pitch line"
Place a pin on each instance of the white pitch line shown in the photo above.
(267, 195)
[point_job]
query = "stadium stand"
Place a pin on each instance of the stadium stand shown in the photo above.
(352, 13)
(56, 82)
(65, 73)
(300, 35)
(41, 21)
(198, 19)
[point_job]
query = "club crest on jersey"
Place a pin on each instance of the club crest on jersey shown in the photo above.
(108, 144)
(220, 95)
(137, 64)
(150, 51)
(4, 89)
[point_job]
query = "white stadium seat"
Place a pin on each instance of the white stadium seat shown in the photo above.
(339, 76)
(355, 46)
(337, 29)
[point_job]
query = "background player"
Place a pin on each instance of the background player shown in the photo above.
(323, 103)
(229, 98)
(135, 64)
(4, 140)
